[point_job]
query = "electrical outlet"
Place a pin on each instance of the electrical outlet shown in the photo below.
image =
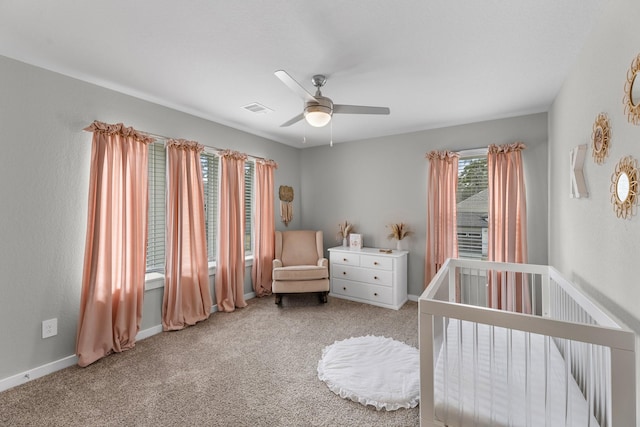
(49, 328)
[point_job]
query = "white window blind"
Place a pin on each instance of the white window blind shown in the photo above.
(156, 219)
(472, 203)
(249, 168)
(209, 164)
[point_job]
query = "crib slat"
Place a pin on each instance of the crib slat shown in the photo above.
(590, 397)
(445, 366)
(460, 367)
(547, 385)
(509, 375)
(492, 370)
(527, 373)
(567, 383)
(476, 393)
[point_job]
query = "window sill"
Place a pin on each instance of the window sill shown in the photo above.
(155, 280)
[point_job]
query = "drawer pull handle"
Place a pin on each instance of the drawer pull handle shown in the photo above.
(375, 294)
(344, 288)
(344, 272)
(344, 259)
(375, 277)
(375, 263)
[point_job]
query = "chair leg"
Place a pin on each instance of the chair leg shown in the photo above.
(323, 297)
(278, 300)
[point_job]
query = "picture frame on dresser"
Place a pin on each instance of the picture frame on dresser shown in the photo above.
(369, 275)
(355, 241)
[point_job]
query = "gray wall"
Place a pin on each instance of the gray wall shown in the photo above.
(375, 182)
(587, 242)
(44, 179)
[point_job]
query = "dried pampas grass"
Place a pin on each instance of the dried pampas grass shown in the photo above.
(399, 231)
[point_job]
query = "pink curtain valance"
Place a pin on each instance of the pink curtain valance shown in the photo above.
(442, 155)
(183, 144)
(118, 129)
(506, 148)
(267, 162)
(231, 154)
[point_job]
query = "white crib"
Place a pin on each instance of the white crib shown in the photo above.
(565, 364)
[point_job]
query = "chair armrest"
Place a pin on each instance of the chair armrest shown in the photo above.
(323, 262)
(277, 263)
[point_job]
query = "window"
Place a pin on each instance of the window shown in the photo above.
(249, 168)
(209, 164)
(156, 220)
(472, 206)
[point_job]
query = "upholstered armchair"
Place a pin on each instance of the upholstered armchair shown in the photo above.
(300, 265)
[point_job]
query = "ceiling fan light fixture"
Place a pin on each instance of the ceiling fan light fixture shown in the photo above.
(317, 115)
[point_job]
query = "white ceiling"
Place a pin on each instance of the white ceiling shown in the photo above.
(434, 63)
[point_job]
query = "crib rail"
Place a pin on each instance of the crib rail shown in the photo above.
(597, 352)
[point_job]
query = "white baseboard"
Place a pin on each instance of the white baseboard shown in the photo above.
(40, 371)
(65, 362)
(413, 297)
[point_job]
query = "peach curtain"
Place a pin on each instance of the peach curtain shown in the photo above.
(187, 298)
(507, 225)
(264, 245)
(442, 237)
(115, 248)
(230, 256)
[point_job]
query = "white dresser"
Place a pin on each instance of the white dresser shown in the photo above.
(370, 276)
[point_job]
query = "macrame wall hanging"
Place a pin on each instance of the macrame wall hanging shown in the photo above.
(286, 207)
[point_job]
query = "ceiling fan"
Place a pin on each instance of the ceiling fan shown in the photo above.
(318, 109)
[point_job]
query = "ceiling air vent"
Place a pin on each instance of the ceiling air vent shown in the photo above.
(257, 108)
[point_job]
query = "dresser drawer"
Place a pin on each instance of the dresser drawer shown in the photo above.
(364, 291)
(377, 262)
(345, 258)
(365, 275)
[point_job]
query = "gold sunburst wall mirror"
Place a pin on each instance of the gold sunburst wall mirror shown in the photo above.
(632, 92)
(600, 138)
(624, 187)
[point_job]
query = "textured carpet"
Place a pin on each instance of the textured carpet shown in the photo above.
(253, 367)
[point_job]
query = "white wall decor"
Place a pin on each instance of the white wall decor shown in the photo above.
(578, 186)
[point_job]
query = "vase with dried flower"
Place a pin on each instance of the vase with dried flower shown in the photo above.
(343, 232)
(399, 232)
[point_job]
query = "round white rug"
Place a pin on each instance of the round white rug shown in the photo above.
(372, 370)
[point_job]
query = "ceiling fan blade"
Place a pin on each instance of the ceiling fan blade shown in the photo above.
(293, 120)
(359, 109)
(294, 85)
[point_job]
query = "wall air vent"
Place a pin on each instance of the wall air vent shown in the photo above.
(257, 108)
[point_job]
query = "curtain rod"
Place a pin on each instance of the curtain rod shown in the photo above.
(166, 138)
